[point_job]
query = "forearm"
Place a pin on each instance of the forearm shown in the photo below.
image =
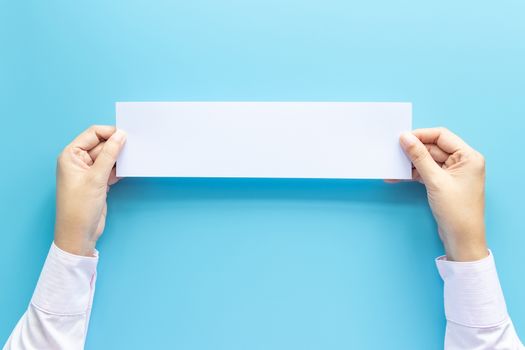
(475, 307)
(58, 315)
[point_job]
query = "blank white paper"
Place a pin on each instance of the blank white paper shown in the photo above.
(264, 139)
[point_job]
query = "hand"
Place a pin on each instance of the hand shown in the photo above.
(454, 176)
(85, 170)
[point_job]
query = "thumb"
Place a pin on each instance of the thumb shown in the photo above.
(419, 155)
(109, 153)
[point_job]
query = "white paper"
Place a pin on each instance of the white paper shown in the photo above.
(264, 139)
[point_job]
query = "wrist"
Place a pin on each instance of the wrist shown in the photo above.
(472, 249)
(76, 247)
(466, 241)
(466, 254)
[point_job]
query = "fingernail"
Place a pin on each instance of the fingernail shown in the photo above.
(408, 139)
(119, 136)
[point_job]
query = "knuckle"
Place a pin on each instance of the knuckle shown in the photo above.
(418, 153)
(107, 152)
(443, 130)
(62, 157)
(480, 157)
(411, 149)
(480, 160)
(473, 159)
(93, 128)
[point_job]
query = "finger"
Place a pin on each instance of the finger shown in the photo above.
(108, 155)
(419, 156)
(93, 136)
(453, 159)
(416, 176)
(444, 138)
(95, 151)
(395, 181)
(113, 179)
(391, 181)
(437, 153)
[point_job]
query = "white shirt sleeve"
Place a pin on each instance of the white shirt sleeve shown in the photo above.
(58, 315)
(475, 307)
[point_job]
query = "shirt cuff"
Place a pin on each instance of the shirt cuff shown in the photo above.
(473, 295)
(66, 283)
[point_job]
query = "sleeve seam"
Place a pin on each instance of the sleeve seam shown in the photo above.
(64, 314)
(493, 325)
(74, 257)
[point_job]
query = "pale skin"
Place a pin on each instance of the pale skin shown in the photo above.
(452, 172)
(454, 176)
(85, 172)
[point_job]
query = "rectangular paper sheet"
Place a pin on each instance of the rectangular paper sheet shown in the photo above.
(264, 139)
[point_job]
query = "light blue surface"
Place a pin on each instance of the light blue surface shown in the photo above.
(259, 264)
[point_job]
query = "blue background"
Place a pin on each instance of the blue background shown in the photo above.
(259, 264)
